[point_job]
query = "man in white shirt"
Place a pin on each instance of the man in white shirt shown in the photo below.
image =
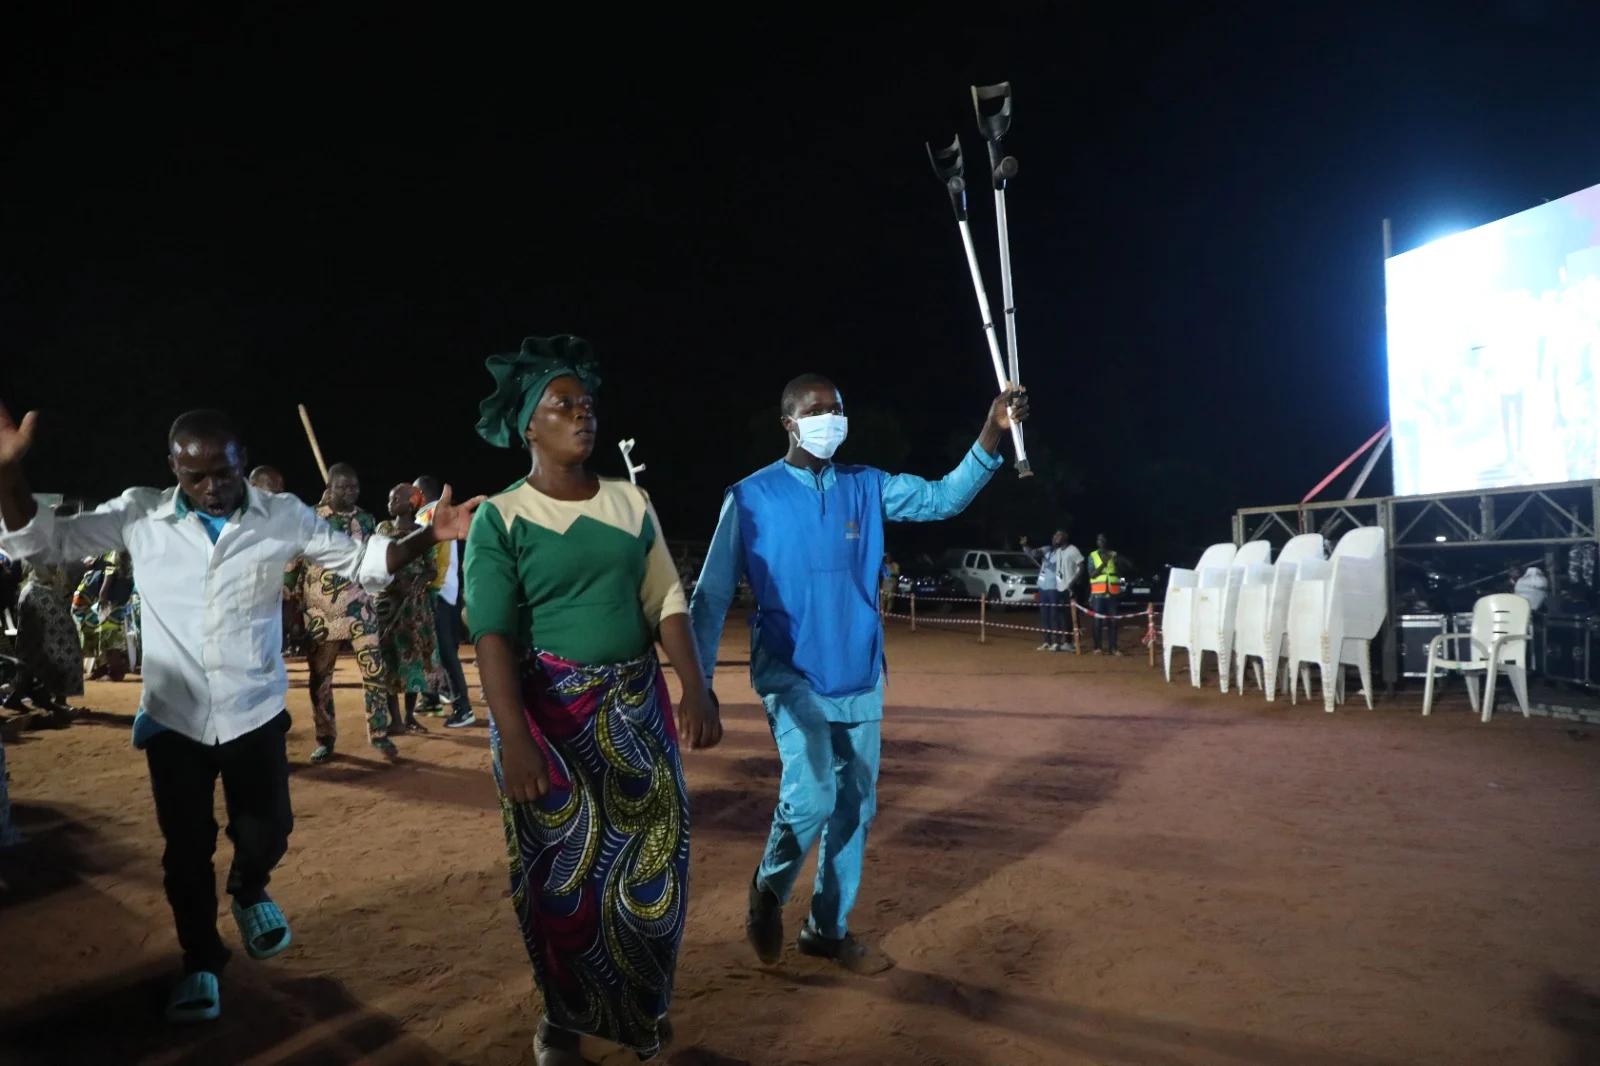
(210, 554)
(445, 590)
(1058, 569)
(1069, 566)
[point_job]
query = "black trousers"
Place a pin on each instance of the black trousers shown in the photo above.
(255, 785)
(447, 623)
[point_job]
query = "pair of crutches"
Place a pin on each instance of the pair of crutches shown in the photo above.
(992, 103)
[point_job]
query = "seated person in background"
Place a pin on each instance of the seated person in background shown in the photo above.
(1530, 584)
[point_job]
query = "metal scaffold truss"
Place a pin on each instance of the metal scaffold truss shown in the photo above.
(1532, 516)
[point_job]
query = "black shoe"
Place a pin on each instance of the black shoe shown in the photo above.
(460, 720)
(854, 955)
(763, 922)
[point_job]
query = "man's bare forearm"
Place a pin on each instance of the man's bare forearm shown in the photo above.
(17, 505)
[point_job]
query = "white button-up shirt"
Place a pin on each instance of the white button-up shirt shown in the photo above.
(210, 616)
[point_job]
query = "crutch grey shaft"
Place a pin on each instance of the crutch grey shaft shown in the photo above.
(992, 105)
(947, 165)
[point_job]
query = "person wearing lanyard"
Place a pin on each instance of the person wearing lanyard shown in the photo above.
(210, 554)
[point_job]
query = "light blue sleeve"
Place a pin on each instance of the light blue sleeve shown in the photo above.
(719, 579)
(908, 498)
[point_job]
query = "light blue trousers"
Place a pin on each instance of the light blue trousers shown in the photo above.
(829, 791)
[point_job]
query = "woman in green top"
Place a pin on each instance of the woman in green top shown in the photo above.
(568, 586)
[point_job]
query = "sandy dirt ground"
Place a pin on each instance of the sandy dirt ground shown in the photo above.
(1073, 863)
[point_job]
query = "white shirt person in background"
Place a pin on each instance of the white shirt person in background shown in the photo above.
(1531, 585)
(1059, 565)
(210, 554)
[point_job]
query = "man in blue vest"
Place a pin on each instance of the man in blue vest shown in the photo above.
(808, 536)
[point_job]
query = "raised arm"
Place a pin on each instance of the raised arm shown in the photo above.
(373, 562)
(27, 532)
(908, 498)
(713, 593)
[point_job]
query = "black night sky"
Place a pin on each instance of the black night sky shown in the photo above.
(353, 211)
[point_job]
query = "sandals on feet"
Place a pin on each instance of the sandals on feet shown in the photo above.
(263, 929)
(196, 999)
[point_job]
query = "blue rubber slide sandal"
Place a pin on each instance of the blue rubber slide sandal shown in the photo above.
(263, 929)
(196, 999)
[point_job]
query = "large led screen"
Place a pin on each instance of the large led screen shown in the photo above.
(1494, 341)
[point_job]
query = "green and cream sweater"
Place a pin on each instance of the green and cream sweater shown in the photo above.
(589, 581)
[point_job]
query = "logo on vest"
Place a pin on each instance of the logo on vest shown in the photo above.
(852, 531)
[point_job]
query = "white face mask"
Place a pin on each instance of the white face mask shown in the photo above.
(821, 435)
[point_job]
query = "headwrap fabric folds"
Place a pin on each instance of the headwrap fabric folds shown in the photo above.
(520, 379)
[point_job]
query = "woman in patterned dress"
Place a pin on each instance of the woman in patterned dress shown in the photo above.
(569, 584)
(50, 658)
(101, 609)
(405, 617)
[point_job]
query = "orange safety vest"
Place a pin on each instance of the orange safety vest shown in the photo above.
(1106, 583)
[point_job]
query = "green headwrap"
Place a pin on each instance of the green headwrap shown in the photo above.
(520, 379)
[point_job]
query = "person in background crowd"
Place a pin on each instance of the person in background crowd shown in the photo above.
(339, 611)
(1105, 586)
(405, 616)
(889, 579)
(446, 590)
(267, 479)
(809, 537)
(1058, 569)
(1531, 585)
(49, 657)
(101, 609)
(210, 552)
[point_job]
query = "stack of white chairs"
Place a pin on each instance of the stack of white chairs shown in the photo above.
(1336, 609)
(1502, 626)
(1261, 620)
(1178, 612)
(1216, 601)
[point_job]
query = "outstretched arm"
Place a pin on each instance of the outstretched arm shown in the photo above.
(713, 593)
(27, 532)
(908, 498)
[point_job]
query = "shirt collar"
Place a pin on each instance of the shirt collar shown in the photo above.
(174, 504)
(806, 477)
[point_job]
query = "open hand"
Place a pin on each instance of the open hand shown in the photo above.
(15, 438)
(1010, 406)
(452, 520)
(699, 722)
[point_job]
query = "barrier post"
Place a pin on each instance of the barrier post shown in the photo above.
(1150, 630)
(1077, 632)
(983, 620)
(913, 609)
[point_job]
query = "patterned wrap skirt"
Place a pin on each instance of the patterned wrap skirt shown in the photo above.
(600, 866)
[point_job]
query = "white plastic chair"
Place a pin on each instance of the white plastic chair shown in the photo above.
(1216, 600)
(1261, 620)
(1177, 613)
(1336, 609)
(1502, 626)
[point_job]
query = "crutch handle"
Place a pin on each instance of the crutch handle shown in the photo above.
(994, 125)
(950, 169)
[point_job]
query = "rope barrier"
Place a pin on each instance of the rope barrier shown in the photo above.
(1149, 639)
